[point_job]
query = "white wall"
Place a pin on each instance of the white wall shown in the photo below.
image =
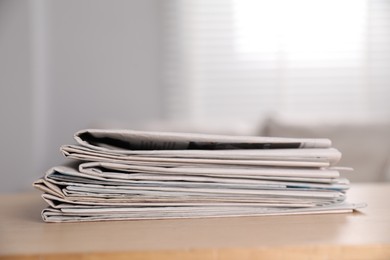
(67, 65)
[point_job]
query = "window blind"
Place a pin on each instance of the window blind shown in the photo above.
(251, 59)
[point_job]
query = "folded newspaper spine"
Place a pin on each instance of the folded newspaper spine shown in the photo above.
(128, 175)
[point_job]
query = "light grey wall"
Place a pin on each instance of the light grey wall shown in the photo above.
(67, 65)
(16, 104)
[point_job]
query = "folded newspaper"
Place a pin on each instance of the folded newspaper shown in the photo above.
(128, 175)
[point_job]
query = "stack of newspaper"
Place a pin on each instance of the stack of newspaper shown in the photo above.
(125, 174)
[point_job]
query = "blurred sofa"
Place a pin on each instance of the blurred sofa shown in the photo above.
(364, 146)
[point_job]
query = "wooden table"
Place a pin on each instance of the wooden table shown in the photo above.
(359, 235)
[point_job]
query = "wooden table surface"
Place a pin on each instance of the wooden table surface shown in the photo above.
(359, 235)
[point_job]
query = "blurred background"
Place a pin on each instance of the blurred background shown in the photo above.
(267, 67)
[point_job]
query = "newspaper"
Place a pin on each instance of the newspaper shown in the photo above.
(82, 215)
(125, 174)
(272, 157)
(126, 141)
